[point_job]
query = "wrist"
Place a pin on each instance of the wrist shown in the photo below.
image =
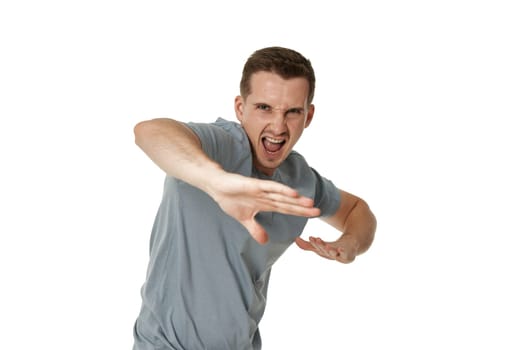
(350, 242)
(211, 178)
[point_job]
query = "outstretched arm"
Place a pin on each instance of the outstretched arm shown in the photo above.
(177, 151)
(356, 222)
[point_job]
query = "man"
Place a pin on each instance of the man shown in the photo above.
(236, 196)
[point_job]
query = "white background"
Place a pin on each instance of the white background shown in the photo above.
(418, 111)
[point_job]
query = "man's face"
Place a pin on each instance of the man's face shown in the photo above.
(274, 116)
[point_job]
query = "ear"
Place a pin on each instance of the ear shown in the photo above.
(310, 115)
(239, 108)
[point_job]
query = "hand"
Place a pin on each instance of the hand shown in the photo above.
(243, 197)
(343, 250)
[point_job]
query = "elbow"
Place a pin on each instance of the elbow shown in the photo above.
(370, 226)
(372, 231)
(140, 131)
(145, 130)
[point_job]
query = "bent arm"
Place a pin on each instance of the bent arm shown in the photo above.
(177, 150)
(356, 222)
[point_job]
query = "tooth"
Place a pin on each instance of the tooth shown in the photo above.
(274, 140)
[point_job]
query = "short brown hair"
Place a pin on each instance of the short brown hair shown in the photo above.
(287, 63)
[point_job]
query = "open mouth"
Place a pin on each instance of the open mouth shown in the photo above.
(272, 145)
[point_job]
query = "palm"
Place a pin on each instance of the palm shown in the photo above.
(243, 197)
(343, 250)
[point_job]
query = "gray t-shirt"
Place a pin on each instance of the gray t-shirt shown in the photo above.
(207, 278)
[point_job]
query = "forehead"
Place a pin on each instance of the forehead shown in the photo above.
(271, 87)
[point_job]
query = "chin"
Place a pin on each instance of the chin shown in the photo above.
(267, 167)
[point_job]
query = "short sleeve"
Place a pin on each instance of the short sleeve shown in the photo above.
(223, 141)
(327, 196)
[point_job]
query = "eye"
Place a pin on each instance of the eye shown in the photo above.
(295, 111)
(263, 107)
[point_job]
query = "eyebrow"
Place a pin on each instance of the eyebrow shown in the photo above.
(300, 109)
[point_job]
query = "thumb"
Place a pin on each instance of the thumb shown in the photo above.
(256, 231)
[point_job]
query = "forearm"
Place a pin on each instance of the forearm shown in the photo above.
(360, 226)
(176, 150)
(355, 221)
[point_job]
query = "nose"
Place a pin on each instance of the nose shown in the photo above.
(278, 122)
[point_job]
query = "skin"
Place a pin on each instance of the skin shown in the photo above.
(276, 110)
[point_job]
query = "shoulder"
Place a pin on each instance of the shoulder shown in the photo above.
(298, 174)
(295, 165)
(225, 142)
(233, 128)
(221, 130)
(295, 172)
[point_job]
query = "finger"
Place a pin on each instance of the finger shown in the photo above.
(318, 249)
(329, 250)
(280, 193)
(298, 208)
(295, 200)
(295, 210)
(304, 245)
(319, 246)
(285, 200)
(276, 187)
